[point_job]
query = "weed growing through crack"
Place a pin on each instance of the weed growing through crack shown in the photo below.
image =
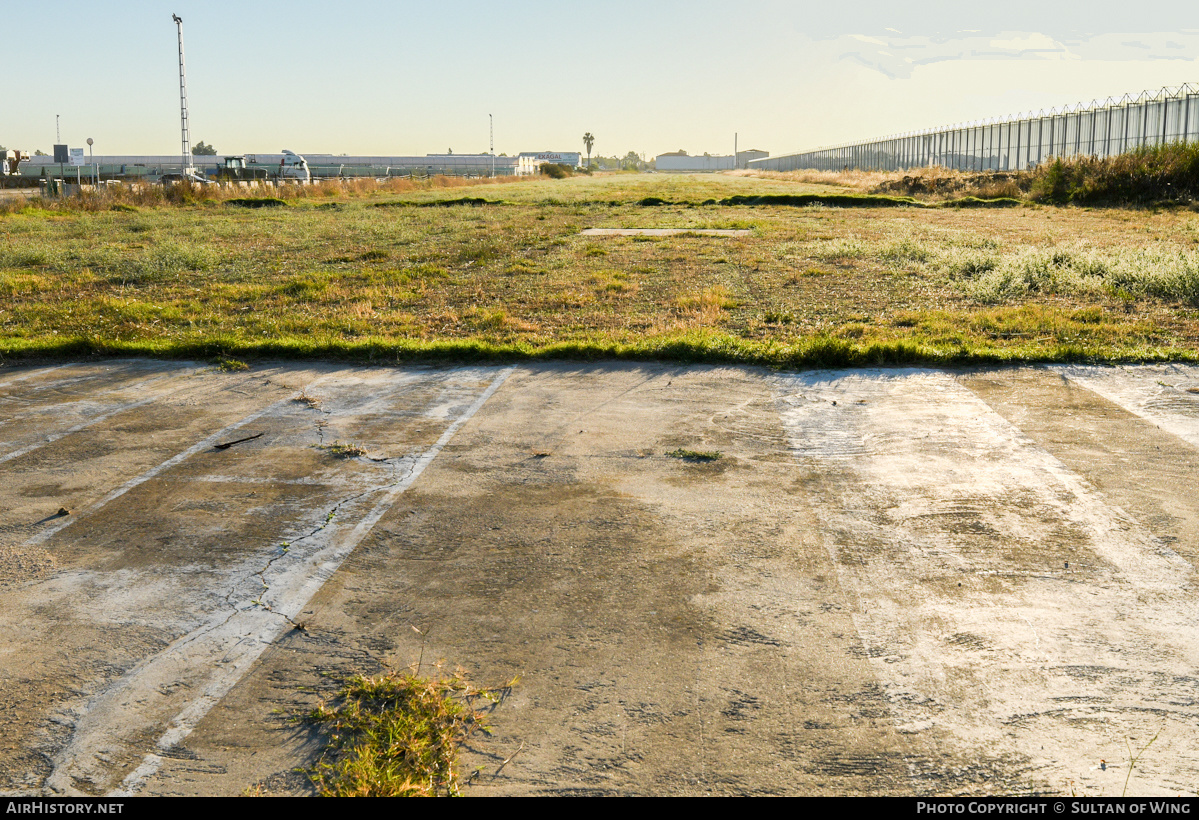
(341, 450)
(1133, 758)
(696, 455)
(397, 735)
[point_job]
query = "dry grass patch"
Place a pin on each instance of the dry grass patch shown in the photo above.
(614, 283)
(708, 305)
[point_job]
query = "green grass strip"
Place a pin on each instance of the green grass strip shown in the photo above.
(693, 347)
(835, 201)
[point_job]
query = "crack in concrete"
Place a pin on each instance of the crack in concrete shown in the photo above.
(285, 548)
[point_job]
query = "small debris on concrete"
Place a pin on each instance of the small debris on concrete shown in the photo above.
(229, 444)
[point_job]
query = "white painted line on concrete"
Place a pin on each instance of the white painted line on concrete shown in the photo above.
(230, 644)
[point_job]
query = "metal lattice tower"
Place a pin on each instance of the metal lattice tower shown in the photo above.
(186, 153)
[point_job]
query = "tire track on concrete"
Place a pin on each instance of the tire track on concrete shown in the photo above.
(205, 444)
(33, 419)
(1010, 612)
(31, 374)
(228, 645)
(115, 370)
(50, 438)
(1166, 395)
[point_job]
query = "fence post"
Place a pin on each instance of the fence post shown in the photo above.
(1186, 116)
(1016, 156)
(1120, 138)
(1107, 133)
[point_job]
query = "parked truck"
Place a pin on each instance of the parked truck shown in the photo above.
(294, 166)
(10, 161)
(236, 169)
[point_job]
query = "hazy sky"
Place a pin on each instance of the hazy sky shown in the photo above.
(367, 77)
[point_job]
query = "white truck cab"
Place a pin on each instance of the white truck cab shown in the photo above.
(294, 166)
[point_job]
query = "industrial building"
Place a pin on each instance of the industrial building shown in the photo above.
(322, 166)
(680, 161)
(530, 162)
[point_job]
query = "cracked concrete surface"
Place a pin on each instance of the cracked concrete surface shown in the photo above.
(900, 581)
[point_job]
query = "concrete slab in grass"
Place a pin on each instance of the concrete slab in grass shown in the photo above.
(666, 232)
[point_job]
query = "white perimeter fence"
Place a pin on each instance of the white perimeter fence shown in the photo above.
(1114, 126)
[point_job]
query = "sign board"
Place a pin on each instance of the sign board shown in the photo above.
(77, 156)
(60, 153)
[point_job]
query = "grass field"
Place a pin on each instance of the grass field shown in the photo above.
(383, 276)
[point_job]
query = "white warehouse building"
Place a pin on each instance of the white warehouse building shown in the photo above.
(681, 161)
(528, 162)
(322, 166)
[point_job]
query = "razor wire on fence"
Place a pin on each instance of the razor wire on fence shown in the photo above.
(1019, 142)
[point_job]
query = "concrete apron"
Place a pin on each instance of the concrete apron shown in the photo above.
(891, 582)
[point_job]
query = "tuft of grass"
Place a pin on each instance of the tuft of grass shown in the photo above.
(708, 304)
(701, 456)
(611, 283)
(1128, 273)
(840, 249)
(305, 288)
(398, 735)
(522, 267)
(1133, 758)
(341, 450)
(228, 365)
(483, 319)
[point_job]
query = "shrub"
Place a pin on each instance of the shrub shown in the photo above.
(557, 170)
(1157, 173)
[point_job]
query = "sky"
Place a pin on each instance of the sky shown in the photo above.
(367, 77)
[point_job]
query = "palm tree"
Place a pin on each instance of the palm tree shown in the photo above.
(589, 141)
